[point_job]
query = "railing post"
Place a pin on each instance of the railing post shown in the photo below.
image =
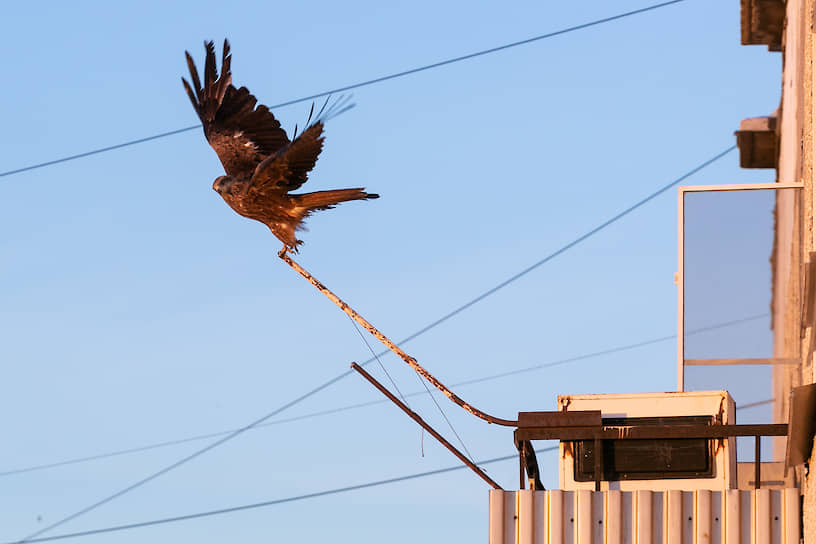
(598, 462)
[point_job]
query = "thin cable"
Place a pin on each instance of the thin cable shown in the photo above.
(611, 350)
(480, 53)
(755, 404)
(425, 329)
(356, 85)
(422, 433)
(448, 421)
(273, 502)
(402, 397)
(298, 497)
(97, 151)
(382, 366)
(358, 405)
(180, 462)
(570, 245)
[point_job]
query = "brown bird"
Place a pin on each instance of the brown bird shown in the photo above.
(261, 163)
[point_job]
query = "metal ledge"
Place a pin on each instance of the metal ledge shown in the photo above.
(762, 22)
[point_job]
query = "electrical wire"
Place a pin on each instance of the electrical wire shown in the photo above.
(445, 417)
(242, 507)
(377, 357)
(358, 405)
(418, 333)
(178, 463)
(355, 85)
(317, 494)
(612, 350)
(755, 404)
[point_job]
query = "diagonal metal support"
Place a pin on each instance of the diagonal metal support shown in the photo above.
(392, 346)
(413, 415)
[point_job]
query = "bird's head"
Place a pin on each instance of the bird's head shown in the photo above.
(223, 185)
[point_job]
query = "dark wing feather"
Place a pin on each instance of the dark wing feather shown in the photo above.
(302, 155)
(226, 64)
(210, 71)
(241, 134)
(288, 169)
(190, 93)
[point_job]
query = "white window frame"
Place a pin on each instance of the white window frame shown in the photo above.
(681, 360)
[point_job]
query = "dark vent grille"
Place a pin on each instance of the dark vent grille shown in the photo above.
(648, 459)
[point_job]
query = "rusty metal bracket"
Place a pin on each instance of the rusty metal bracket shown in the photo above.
(413, 415)
(614, 432)
(529, 463)
(588, 425)
(392, 346)
(802, 425)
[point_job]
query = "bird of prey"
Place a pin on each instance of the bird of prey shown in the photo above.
(261, 163)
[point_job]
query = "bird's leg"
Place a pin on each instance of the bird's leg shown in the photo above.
(288, 249)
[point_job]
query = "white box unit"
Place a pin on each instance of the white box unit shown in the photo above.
(647, 465)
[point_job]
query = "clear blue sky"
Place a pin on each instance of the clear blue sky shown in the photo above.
(139, 308)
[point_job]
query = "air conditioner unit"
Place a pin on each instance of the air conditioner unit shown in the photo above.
(653, 464)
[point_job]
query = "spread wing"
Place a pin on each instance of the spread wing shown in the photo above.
(288, 169)
(240, 131)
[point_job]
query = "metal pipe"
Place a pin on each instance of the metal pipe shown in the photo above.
(391, 345)
(598, 469)
(479, 472)
(570, 433)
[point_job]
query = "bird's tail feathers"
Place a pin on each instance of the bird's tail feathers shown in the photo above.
(324, 200)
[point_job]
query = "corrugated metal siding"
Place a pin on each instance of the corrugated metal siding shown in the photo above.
(764, 516)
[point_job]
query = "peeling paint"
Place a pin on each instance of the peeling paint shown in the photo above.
(392, 346)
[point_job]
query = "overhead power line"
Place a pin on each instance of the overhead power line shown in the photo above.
(178, 463)
(295, 498)
(317, 494)
(306, 496)
(418, 333)
(355, 85)
(345, 408)
(273, 502)
(755, 404)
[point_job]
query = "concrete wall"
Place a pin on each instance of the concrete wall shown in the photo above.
(796, 157)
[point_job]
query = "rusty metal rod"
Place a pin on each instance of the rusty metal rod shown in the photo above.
(479, 472)
(611, 432)
(598, 463)
(392, 346)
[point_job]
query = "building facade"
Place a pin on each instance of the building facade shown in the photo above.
(784, 141)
